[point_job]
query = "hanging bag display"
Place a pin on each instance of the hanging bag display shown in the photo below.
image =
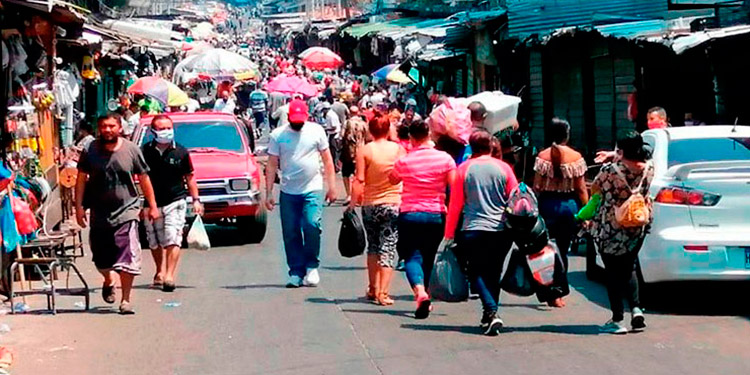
(352, 240)
(447, 282)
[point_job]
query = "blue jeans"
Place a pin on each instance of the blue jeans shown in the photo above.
(301, 227)
(486, 252)
(558, 210)
(419, 235)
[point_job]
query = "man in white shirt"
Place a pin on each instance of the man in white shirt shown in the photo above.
(298, 149)
(225, 104)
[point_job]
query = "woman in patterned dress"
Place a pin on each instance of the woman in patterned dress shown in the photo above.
(618, 245)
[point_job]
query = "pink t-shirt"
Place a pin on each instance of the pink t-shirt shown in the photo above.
(424, 173)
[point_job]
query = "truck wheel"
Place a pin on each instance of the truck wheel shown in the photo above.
(253, 228)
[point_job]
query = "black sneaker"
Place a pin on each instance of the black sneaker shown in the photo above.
(486, 319)
(493, 328)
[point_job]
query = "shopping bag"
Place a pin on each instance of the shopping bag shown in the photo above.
(518, 278)
(197, 237)
(542, 265)
(447, 282)
(559, 287)
(352, 240)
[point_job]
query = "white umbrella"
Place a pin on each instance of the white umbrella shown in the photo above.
(216, 61)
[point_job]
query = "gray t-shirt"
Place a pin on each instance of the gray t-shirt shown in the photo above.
(110, 191)
(299, 157)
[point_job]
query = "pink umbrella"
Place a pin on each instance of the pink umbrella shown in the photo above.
(292, 85)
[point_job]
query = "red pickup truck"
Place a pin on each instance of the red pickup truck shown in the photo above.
(228, 176)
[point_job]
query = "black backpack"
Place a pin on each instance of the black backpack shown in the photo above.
(352, 240)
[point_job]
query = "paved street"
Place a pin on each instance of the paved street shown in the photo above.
(235, 317)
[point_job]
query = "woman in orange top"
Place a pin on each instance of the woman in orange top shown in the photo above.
(561, 189)
(380, 199)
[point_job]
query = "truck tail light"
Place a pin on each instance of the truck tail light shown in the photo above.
(686, 196)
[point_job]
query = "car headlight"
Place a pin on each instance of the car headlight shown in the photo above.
(239, 184)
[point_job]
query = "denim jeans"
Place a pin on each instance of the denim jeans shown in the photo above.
(301, 228)
(486, 252)
(558, 210)
(419, 235)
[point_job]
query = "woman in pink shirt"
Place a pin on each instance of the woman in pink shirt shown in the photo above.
(426, 174)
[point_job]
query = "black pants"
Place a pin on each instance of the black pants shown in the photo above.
(486, 253)
(622, 282)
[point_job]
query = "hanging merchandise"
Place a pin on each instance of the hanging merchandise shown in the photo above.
(11, 237)
(89, 70)
(25, 220)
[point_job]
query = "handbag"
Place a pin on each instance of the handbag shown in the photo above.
(352, 240)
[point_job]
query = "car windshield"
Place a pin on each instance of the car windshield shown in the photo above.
(205, 136)
(683, 151)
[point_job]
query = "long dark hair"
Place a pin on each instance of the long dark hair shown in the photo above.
(632, 146)
(559, 131)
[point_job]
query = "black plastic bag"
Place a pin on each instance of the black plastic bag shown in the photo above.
(518, 278)
(448, 282)
(352, 240)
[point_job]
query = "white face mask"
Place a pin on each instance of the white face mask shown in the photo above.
(164, 136)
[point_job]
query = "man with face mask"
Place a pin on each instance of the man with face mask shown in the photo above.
(298, 149)
(172, 176)
(106, 185)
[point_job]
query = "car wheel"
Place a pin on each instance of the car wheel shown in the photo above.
(253, 228)
(593, 271)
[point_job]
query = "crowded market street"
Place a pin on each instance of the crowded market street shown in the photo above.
(236, 317)
(374, 187)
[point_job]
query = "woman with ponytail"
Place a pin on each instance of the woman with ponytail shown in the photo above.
(561, 189)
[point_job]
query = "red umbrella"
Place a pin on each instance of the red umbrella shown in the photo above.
(292, 85)
(320, 59)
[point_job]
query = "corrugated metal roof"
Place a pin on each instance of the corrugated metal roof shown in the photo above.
(635, 30)
(530, 17)
(437, 51)
(360, 30)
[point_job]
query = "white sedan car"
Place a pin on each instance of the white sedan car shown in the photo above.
(701, 192)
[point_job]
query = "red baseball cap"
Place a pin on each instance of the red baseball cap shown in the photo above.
(298, 111)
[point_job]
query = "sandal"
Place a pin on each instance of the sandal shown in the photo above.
(370, 294)
(108, 293)
(157, 284)
(385, 300)
(126, 309)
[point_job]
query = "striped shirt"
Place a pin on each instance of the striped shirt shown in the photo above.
(480, 192)
(424, 172)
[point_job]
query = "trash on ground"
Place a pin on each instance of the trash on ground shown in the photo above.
(4, 328)
(173, 304)
(79, 304)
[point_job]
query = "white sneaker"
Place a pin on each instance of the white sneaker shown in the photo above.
(294, 281)
(312, 278)
(612, 327)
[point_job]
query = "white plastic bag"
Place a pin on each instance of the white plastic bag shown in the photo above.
(197, 237)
